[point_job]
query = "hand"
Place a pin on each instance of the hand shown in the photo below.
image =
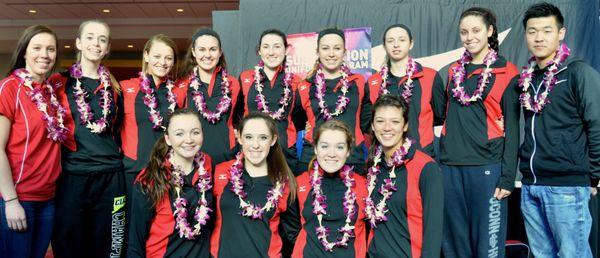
(594, 191)
(501, 193)
(15, 216)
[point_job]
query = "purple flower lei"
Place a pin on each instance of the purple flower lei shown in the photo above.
(198, 97)
(152, 102)
(263, 104)
(250, 210)
(321, 86)
(319, 206)
(411, 68)
(376, 213)
(460, 74)
(85, 111)
(202, 210)
(54, 125)
(539, 101)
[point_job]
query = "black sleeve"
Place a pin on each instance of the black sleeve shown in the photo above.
(290, 222)
(432, 194)
(438, 100)
(511, 110)
(118, 121)
(587, 89)
(141, 217)
(365, 113)
(238, 110)
(298, 113)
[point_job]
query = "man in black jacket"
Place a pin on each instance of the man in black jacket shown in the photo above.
(560, 157)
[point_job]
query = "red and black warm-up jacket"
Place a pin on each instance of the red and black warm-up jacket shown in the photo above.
(487, 131)
(416, 210)
(300, 222)
(152, 231)
(219, 138)
(137, 135)
(85, 152)
(238, 236)
(357, 114)
(420, 109)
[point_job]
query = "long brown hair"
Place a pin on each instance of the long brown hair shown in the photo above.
(162, 38)
(332, 125)
(189, 62)
(115, 84)
(17, 59)
(154, 181)
(277, 167)
(387, 100)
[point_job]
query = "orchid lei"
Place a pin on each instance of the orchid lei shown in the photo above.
(460, 74)
(85, 111)
(319, 206)
(199, 99)
(321, 87)
(55, 127)
(376, 213)
(202, 210)
(537, 103)
(250, 210)
(152, 102)
(411, 68)
(263, 104)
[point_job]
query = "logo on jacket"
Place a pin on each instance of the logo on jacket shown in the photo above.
(130, 90)
(302, 189)
(246, 80)
(222, 177)
(375, 82)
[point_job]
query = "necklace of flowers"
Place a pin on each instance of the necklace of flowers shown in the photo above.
(411, 68)
(376, 213)
(460, 74)
(152, 103)
(250, 210)
(198, 97)
(85, 111)
(55, 127)
(537, 103)
(319, 206)
(342, 101)
(202, 210)
(263, 104)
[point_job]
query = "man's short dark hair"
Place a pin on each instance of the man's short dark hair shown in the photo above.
(543, 9)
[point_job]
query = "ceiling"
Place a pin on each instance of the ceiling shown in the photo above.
(131, 22)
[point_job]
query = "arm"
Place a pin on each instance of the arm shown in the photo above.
(511, 110)
(290, 222)
(365, 113)
(438, 100)
(432, 194)
(238, 110)
(14, 212)
(141, 216)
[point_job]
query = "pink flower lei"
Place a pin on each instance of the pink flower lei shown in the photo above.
(55, 127)
(460, 74)
(319, 206)
(321, 87)
(539, 101)
(376, 213)
(198, 97)
(85, 111)
(411, 68)
(152, 102)
(202, 210)
(250, 210)
(263, 104)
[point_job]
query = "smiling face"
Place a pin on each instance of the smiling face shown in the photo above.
(397, 44)
(207, 52)
(543, 38)
(256, 140)
(184, 135)
(332, 150)
(331, 52)
(272, 50)
(474, 35)
(159, 59)
(93, 42)
(40, 55)
(389, 127)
